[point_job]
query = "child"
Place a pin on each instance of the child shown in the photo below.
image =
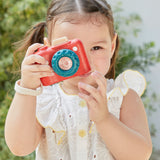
(86, 117)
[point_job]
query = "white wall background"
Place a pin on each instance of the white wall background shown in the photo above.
(149, 11)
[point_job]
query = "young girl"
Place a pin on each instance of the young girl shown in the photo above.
(88, 117)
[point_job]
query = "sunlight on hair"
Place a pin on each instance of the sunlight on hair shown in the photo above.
(78, 6)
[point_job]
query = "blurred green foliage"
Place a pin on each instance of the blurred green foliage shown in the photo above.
(17, 16)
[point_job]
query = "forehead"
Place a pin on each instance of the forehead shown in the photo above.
(76, 18)
(80, 25)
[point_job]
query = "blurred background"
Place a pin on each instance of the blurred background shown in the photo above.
(138, 26)
(147, 32)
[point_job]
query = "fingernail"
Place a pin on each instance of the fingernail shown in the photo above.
(94, 73)
(80, 84)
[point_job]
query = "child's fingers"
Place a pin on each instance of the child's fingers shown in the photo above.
(32, 48)
(38, 68)
(34, 59)
(42, 74)
(99, 76)
(101, 82)
(96, 93)
(90, 89)
(89, 100)
(83, 91)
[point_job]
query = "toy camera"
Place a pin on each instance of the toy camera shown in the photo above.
(67, 60)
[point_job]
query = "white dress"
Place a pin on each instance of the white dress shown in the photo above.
(69, 133)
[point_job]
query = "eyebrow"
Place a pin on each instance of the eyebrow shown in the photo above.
(103, 41)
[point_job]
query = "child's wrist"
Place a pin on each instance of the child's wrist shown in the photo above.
(103, 121)
(26, 91)
(27, 85)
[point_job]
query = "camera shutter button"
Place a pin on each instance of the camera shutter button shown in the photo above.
(75, 49)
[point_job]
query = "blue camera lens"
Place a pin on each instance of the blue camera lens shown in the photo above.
(65, 62)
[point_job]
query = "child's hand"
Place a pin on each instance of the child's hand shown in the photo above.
(33, 68)
(95, 98)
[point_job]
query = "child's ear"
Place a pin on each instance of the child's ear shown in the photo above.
(113, 44)
(46, 42)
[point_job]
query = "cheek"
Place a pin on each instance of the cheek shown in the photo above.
(101, 64)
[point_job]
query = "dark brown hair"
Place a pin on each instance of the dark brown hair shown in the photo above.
(58, 7)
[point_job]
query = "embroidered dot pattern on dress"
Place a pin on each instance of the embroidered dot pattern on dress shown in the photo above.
(82, 103)
(82, 133)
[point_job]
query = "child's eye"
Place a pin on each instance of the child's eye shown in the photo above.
(96, 48)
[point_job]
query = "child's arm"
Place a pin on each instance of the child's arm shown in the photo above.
(22, 131)
(127, 138)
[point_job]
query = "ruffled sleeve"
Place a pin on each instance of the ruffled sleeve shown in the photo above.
(129, 79)
(48, 110)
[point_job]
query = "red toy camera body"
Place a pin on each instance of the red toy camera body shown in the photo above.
(67, 60)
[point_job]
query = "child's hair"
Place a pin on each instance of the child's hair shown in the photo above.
(58, 7)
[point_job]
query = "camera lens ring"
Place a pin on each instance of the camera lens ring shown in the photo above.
(65, 53)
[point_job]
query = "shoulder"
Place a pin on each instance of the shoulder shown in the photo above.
(126, 89)
(132, 103)
(129, 82)
(131, 79)
(132, 85)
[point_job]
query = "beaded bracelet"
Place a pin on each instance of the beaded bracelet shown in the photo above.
(26, 91)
